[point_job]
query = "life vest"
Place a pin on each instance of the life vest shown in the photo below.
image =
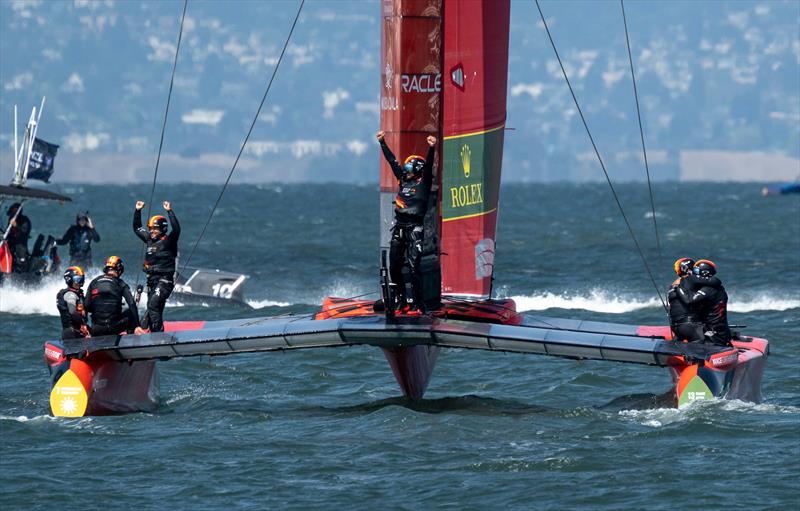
(411, 201)
(104, 297)
(159, 259)
(68, 319)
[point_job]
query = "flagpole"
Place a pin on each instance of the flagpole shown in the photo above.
(16, 150)
(33, 126)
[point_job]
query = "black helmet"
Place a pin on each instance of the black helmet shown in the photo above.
(413, 165)
(12, 209)
(81, 216)
(683, 266)
(74, 276)
(704, 269)
(115, 263)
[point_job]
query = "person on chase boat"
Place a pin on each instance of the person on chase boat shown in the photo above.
(80, 237)
(17, 240)
(703, 292)
(159, 261)
(415, 177)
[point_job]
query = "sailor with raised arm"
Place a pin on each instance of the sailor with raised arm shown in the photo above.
(17, 240)
(703, 291)
(410, 205)
(159, 261)
(104, 298)
(80, 237)
(69, 302)
(683, 319)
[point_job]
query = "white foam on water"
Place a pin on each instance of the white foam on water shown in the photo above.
(595, 300)
(260, 304)
(598, 300)
(23, 418)
(737, 405)
(39, 299)
(659, 417)
(764, 302)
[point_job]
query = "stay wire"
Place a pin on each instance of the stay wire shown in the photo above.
(599, 159)
(641, 129)
(164, 126)
(247, 137)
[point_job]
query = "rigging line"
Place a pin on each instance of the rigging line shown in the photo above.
(599, 159)
(641, 129)
(164, 124)
(249, 132)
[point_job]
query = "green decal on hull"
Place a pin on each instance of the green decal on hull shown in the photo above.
(471, 177)
(696, 390)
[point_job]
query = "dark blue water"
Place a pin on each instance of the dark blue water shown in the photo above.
(326, 428)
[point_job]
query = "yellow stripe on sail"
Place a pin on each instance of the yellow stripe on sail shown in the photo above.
(451, 137)
(469, 216)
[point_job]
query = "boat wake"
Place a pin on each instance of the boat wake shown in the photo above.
(660, 417)
(40, 299)
(597, 300)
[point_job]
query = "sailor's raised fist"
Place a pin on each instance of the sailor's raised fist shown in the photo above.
(431, 140)
(139, 204)
(166, 205)
(380, 135)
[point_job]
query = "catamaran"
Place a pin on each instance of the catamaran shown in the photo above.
(444, 68)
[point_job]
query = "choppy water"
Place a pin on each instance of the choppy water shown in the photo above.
(325, 429)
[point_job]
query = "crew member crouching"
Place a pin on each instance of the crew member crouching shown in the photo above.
(159, 261)
(69, 302)
(104, 301)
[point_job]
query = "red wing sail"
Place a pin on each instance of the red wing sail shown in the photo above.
(476, 63)
(410, 87)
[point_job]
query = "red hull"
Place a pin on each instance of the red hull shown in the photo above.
(413, 366)
(733, 375)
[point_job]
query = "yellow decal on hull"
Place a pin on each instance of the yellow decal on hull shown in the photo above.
(68, 397)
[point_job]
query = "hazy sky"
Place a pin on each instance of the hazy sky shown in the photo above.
(714, 77)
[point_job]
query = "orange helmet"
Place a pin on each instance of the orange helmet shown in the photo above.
(158, 223)
(683, 265)
(115, 263)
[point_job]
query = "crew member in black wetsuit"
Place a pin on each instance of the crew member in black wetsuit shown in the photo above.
(159, 261)
(704, 291)
(684, 320)
(17, 240)
(80, 237)
(415, 178)
(69, 302)
(104, 301)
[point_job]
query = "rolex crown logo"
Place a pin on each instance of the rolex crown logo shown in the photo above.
(466, 154)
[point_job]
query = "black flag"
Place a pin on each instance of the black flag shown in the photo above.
(42, 157)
